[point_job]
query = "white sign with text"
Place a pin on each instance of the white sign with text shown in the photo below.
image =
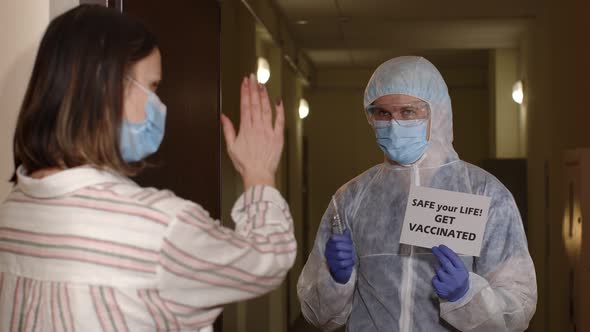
(434, 217)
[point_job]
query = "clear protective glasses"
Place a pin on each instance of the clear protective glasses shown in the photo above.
(404, 114)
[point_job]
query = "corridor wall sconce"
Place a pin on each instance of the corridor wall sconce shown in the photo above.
(303, 108)
(263, 72)
(518, 92)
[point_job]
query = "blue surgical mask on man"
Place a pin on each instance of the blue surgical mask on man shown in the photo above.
(139, 140)
(403, 143)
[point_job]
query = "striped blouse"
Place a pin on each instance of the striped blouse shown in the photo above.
(90, 250)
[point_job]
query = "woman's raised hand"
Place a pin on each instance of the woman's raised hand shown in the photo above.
(256, 149)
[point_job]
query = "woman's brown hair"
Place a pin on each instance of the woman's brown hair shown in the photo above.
(73, 108)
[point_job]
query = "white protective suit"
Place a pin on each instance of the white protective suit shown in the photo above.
(390, 288)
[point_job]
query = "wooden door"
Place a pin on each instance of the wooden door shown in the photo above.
(188, 34)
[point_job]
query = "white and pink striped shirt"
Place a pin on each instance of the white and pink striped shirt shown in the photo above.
(89, 250)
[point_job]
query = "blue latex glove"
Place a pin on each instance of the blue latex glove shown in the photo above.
(340, 256)
(451, 280)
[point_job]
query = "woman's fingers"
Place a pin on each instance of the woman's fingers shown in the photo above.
(266, 109)
(256, 145)
(228, 131)
(279, 129)
(255, 110)
(245, 116)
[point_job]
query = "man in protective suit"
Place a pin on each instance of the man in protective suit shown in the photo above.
(365, 279)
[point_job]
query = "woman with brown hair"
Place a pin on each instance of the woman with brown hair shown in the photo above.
(82, 247)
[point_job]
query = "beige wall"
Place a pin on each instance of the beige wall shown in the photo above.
(506, 114)
(470, 92)
(19, 39)
(57, 7)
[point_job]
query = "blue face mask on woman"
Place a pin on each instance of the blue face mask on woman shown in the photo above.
(139, 140)
(405, 143)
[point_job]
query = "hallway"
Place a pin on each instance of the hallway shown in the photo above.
(517, 75)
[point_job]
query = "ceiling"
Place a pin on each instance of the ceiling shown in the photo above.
(363, 33)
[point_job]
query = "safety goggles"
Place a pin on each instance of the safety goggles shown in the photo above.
(405, 115)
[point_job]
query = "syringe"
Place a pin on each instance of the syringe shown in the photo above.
(337, 227)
